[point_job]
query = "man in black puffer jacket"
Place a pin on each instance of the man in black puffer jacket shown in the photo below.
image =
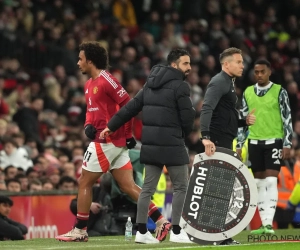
(168, 116)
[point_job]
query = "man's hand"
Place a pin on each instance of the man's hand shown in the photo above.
(210, 147)
(251, 118)
(130, 143)
(239, 152)
(105, 132)
(95, 207)
(90, 131)
(286, 153)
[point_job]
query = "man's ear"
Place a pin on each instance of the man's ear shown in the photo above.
(174, 65)
(225, 63)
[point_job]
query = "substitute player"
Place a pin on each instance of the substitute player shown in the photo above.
(269, 139)
(104, 97)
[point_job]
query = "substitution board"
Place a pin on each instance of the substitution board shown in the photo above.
(221, 198)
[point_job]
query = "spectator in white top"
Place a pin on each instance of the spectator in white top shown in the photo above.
(12, 155)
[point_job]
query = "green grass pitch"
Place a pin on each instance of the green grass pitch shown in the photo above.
(118, 242)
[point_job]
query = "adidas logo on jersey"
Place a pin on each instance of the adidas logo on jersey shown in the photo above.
(277, 162)
(87, 91)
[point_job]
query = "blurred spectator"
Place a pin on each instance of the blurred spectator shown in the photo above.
(9, 229)
(77, 160)
(54, 177)
(4, 108)
(67, 183)
(10, 172)
(27, 119)
(123, 10)
(35, 185)
(13, 185)
(12, 155)
(3, 131)
(31, 173)
(47, 185)
(22, 178)
(2, 181)
(68, 169)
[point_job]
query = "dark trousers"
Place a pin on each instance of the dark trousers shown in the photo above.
(219, 141)
(284, 217)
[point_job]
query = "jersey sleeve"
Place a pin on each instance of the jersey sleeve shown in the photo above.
(242, 131)
(120, 96)
(286, 118)
(115, 90)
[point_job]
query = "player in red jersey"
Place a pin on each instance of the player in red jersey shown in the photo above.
(104, 97)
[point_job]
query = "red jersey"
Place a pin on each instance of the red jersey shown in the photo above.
(104, 97)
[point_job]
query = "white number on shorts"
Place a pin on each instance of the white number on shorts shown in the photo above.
(276, 153)
(87, 156)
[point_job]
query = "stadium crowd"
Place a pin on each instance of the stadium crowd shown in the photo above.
(42, 104)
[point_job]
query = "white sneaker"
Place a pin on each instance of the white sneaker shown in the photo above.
(180, 238)
(75, 234)
(146, 238)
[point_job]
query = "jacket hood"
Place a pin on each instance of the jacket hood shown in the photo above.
(161, 74)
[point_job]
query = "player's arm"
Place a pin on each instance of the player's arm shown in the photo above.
(242, 130)
(286, 118)
(127, 112)
(215, 90)
(89, 129)
(121, 97)
(87, 118)
(186, 109)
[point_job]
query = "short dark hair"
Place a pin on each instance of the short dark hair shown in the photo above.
(95, 53)
(30, 170)
(20, 176)
(175, 54)
(12, 180)
(35, 182)
(263, 62)
(7, 168)
(8, 139)
(229, 52)
(6, 200)
(67, 179)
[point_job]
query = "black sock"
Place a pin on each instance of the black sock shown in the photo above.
(82, 220)
(154, 213)
(155, 216)
(176, 229)
(142, 228)
(81, 224)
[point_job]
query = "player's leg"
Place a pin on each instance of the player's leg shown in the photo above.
(256, 159)
(91, 171)
(273, 162)
(123, 174)
(179, 179)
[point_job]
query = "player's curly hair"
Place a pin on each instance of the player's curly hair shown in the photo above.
(95, 53)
